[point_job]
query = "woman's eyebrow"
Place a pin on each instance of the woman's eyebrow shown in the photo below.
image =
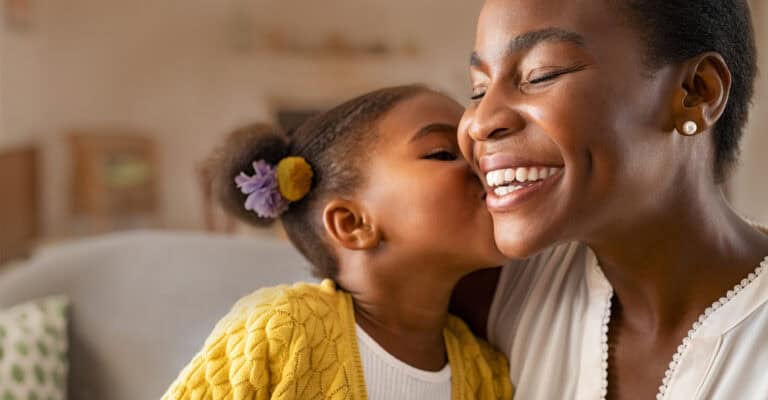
(528, 40)
(531, 39)
(433, 128)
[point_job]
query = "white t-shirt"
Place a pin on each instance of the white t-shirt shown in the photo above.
(387, 378)
(547, 316)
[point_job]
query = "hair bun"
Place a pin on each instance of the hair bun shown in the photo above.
(242, 150)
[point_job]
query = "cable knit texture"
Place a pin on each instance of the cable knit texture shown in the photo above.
(299, 342)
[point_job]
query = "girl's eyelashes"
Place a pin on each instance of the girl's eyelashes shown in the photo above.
(477, 93)
(441, 155)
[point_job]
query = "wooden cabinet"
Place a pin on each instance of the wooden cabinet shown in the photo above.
(114, 179)
(19, 202)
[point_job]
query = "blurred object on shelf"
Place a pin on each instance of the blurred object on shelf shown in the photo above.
(19, 211)
(334, 44)
(115, 181)
(17, 15)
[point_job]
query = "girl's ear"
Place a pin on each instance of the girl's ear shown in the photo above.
(349, 226)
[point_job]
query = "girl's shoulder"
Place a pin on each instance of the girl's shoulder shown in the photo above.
(256, 348)
(297, 302)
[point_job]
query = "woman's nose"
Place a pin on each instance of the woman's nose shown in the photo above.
(493, 118)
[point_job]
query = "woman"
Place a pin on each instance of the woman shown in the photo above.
(640, 280)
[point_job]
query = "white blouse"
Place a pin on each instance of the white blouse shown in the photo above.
(548, 314)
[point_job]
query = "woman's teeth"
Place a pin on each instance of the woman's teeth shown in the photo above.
(506, 181)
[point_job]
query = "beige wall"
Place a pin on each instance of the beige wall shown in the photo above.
(169, 68)
(750, 185)
(21, 86)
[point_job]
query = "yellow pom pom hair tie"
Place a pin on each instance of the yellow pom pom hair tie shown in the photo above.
(294, 178)
(270, 189)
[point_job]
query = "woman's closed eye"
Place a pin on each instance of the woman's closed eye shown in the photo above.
(551, 75)
(538, 79)
(545, 78)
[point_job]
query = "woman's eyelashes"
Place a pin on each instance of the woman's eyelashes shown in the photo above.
(551, 75)
(541, 79)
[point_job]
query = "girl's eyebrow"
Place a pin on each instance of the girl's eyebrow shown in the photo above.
(529, 40)
(437, 127)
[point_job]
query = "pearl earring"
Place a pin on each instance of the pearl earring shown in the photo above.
(690, 128)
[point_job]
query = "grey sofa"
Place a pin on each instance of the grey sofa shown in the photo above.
(143, 302)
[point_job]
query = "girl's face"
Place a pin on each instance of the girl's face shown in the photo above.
(428, 202)
(567, 127)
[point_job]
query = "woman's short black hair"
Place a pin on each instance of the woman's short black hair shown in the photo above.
(677, 30)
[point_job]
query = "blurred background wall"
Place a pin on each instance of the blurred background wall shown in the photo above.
(749, 188)
(183, 73)
(186, 72)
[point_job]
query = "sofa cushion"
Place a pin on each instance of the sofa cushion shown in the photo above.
(33, 350)
(144, 302)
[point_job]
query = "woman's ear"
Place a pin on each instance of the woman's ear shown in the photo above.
(704, 93)
(349, 226)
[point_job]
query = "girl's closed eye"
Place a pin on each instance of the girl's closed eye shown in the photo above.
(442, 155)
(477, 93)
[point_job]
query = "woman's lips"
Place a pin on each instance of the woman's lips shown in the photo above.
(514, 177)
(510, 179)
(506, 192)
(498, 161)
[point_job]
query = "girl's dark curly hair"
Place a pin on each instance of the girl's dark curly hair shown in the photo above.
(335, 144)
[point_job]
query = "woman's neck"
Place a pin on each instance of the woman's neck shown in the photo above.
(405, 314)
(667, 270)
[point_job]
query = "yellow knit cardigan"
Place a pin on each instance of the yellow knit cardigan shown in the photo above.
(299, 342)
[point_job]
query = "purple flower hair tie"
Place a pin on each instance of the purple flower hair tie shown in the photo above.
(264, 196)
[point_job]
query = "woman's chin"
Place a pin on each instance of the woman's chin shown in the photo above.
(519, 240)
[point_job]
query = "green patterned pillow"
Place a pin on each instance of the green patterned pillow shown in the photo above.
(33, 350)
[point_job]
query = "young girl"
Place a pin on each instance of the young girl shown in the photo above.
(375, 194)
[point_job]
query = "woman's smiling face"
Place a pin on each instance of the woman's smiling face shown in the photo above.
(567, 126)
